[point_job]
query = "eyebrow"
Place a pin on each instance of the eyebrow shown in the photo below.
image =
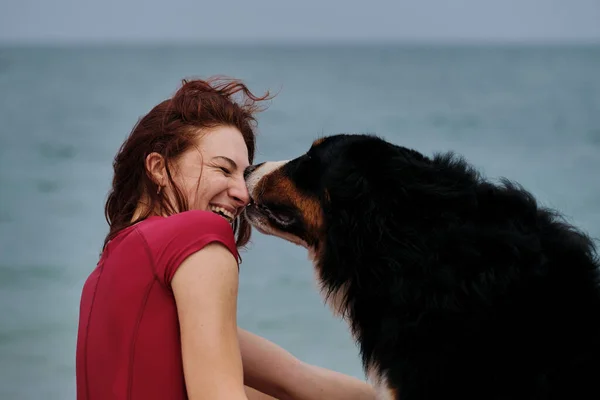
(228, 160)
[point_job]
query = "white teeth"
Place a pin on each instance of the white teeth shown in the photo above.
(223, 212)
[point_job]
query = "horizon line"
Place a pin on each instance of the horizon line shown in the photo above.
(295, 42)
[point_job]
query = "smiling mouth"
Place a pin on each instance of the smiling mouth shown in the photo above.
(223, 213)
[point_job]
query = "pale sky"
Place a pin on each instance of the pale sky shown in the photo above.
(300, 20)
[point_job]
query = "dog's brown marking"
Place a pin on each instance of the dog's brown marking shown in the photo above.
(279, 189)
(318, 141)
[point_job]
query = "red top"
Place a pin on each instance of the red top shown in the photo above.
(128, 344)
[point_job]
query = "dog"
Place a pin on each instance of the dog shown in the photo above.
(452, 286)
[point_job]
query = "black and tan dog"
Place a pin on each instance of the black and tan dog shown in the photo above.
(453, 287)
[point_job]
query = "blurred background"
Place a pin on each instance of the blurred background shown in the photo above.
(514, 86)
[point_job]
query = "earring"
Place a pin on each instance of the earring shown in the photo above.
(158, 190)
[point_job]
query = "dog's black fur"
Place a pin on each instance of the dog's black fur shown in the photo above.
(455, 287)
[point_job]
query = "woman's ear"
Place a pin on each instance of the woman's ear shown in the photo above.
(156, 169)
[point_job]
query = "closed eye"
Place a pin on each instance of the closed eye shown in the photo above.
(232, 166)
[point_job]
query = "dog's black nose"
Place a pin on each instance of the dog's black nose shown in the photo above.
(250, 169)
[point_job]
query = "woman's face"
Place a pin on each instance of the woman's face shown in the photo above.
(211, 174)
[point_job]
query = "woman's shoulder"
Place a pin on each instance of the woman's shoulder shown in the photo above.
(170, 240)
(185, 229)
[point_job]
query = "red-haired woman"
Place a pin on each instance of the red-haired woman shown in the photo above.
(158, 313)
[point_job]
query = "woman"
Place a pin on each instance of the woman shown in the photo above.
(158, 314)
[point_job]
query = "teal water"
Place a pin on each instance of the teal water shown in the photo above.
(531, 114)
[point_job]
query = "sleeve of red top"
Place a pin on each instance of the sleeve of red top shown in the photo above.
(174, 238)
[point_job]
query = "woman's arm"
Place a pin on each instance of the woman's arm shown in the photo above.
(253, 394)
(205, 288)
(274, 371)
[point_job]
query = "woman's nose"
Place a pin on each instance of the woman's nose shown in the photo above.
(239, 192)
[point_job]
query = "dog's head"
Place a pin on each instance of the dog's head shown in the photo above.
(341, 177)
